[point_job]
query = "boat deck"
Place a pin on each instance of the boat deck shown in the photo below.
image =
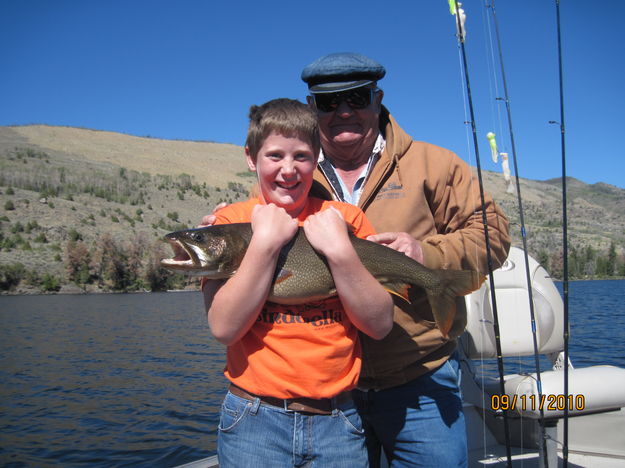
(595, 440)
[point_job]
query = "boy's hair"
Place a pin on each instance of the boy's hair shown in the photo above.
(287, 117)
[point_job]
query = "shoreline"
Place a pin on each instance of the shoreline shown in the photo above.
(75, 290)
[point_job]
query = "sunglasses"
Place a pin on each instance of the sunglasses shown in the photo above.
(357, 98)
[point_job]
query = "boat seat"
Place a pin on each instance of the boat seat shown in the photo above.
(514, 312)
(591, 390)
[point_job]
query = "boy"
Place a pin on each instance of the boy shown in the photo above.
(291, 373)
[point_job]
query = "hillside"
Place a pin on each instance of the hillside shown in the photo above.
(59, 184)
(594, 213)
(63, 183)
(207, 162)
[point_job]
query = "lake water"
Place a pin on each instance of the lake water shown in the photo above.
(107, 380)
(136, 379)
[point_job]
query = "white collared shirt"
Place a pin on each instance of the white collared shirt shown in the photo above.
(342, 192)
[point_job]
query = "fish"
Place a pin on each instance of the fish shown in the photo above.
(302, 275)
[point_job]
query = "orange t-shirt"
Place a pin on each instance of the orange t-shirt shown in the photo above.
(309, 350)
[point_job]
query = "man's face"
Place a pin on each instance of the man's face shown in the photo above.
(347, 127)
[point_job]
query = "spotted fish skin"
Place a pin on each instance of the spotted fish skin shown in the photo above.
(302, 275)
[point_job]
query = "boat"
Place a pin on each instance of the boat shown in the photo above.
(595, 399)
(559, 417)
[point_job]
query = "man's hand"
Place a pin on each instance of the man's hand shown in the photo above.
(400, 241)
(209, 220)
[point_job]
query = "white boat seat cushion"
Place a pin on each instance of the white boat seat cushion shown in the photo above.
(514, 312)
(591, 389)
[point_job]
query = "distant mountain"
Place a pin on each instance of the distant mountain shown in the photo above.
(594, 212)
(208, 162)
(57, 183)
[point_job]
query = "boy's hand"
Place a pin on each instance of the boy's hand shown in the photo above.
(272, 225)
(327, 231)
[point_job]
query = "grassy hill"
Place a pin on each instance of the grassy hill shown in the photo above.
(594, 213)
(207, 162)
(101, 189)
(60, 183)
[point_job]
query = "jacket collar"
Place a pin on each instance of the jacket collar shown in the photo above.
(397, 144)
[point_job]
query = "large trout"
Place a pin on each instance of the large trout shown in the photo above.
(302, 275)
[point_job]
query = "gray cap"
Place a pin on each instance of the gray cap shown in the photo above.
(341, 71)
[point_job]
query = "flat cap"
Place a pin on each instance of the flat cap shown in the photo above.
(341, 71)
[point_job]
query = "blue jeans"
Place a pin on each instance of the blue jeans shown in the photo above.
(420, 423)
(256, 435)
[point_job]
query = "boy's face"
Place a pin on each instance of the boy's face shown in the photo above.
(284, 167)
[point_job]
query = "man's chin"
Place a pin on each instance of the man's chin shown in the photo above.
(346, 139)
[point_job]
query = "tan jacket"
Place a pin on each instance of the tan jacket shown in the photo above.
(432, 194)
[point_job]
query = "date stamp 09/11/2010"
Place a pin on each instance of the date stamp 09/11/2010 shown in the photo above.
(544, 402)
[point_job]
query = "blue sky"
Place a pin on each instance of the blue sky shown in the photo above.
(191, 69)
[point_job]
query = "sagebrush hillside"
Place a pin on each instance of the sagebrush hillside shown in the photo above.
(71, 199)
(61, 183)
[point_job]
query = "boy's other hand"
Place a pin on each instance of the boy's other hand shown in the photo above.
(327, 231)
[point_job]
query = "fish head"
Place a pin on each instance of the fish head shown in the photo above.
(214, 251)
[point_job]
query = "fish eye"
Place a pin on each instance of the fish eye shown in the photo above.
(197, 237)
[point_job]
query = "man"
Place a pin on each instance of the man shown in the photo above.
(424, 201)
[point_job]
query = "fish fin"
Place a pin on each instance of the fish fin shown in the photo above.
(453, 283)
(283, 275)
(398, 289)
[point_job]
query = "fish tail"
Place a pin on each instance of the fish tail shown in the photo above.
(453, 283)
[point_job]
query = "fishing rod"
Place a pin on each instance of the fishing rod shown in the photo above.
(506, 100)
(565, 250)
(461, 37)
